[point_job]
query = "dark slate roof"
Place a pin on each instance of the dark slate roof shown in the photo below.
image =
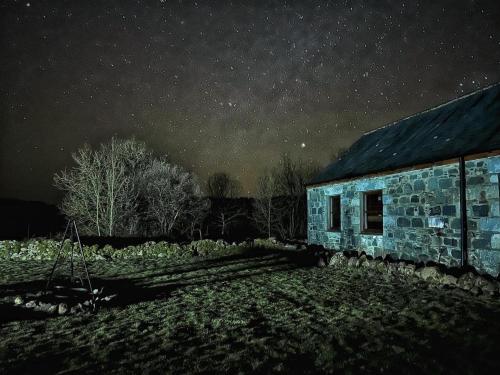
(464, 126)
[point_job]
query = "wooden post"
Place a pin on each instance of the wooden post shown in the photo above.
(463, 211)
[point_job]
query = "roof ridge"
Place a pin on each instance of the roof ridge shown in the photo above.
(433, 108)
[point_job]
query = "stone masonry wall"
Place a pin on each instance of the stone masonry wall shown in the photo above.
(415, 202)
(483, 214)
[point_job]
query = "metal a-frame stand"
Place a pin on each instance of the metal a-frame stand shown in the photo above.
(73, 232)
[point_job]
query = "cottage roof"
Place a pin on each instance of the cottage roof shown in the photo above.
(464, 126)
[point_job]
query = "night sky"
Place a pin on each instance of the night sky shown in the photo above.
(226, 86)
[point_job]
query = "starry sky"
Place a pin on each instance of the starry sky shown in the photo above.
(226, 86)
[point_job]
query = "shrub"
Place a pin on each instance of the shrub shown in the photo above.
(43, 249)
(212, 248)
(267, 243)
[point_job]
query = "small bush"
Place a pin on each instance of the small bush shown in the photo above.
(213, 248)
(267, 243)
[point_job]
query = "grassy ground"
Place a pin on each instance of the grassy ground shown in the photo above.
(256, 312)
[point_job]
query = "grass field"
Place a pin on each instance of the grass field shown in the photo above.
(258, 312)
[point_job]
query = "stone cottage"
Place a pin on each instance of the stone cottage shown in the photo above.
(423, 188)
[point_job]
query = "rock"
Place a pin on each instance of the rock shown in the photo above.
(431, 273)
(353, 262)
(479, 281)
(489, 288)
(401, 266)
(486, 286)
(31, 305)
(52, 309)
(466, 281)
(380, 266)
(338, 259)
(76, 309)
(366, 263)
(393, 267)
(408, 269)
(62, 309)
(449, 280)
(18, 300)
(107, 298)
(290, 247)
(475, 290)
(45, 307)
(363, 261)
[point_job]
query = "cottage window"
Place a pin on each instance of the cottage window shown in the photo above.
(372, 220)
(335, 213)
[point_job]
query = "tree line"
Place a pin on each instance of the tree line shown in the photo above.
(123, 189)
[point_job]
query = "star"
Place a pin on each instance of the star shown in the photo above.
(201, 81)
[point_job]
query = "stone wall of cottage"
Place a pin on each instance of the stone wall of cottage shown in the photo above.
(483, 213)
(421, 215)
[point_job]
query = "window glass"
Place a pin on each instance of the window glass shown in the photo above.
(373, 212)
(335, 212)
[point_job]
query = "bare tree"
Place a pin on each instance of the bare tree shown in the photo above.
(195, 219)
(171, 194)
(136, 157)
(291, 178)
(264, 213)
(84, 190)
(221, 185)
(116, 185)
(101, 193)
(226, 212)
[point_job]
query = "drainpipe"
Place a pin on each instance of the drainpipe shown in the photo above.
(463, 211)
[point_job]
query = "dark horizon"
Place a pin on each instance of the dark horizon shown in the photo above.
(226, 87)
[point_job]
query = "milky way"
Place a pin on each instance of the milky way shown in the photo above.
(226, 86)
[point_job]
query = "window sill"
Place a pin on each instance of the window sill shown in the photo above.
(372, 233)
(334, 230)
